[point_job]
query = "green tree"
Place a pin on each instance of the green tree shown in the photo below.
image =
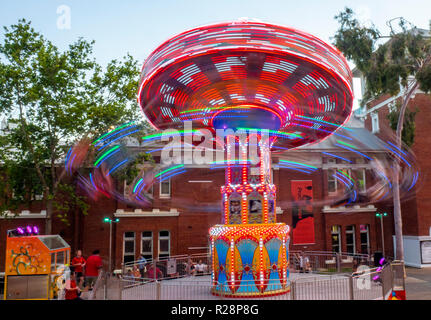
(51, 99)
(402, 63)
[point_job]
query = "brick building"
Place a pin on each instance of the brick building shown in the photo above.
(186, 206)
(416, 214)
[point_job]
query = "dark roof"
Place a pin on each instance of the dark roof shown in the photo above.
(363, 139)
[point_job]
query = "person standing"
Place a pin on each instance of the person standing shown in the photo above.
(141, 265)
(92, 268)
(200, 268)
(78, 264)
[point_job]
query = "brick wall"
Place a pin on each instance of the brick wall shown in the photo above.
(199, 204)
(415, 211)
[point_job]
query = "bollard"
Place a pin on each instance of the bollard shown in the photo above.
(351, 294)
(292, 290)
(189, 264)
(120, 289)
(158, 290)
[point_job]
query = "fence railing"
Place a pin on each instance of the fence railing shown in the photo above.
(170, 267)
(299, 261)
(365, 284)
(327, 262)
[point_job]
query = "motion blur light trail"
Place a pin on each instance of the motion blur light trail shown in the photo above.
(268, 88)
(97, 186)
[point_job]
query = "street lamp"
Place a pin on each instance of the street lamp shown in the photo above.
(381, 215)
(110, 221)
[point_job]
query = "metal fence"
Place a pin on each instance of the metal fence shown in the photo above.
(299, 261)
(327, 262)
(313, 276)
(171, 267)
(367, 284)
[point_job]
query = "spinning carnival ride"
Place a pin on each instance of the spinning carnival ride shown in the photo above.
(270, 82)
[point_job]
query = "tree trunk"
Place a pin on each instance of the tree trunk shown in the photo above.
(398, 222)
(49, 212)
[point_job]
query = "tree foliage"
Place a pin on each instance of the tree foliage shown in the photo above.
(397, 67)
(51, 98)
(409, 127)
(387, 66)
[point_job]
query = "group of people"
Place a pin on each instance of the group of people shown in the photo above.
(304, 263)
(144, 270)
(83, 274)
(199, 268)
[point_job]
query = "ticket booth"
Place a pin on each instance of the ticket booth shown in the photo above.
(35, 265)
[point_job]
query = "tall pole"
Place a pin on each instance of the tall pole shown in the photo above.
(383, 237)
(110, 245)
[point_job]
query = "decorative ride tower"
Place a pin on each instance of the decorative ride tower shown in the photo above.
(277, 89)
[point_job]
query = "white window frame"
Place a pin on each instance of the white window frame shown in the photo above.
(332, 179)
(339, 238)
(168, 253)
(352, 232)
(367, 232)
(124, 245)
(146, 238)
(165, 195)
(364, 178)
(375, 122)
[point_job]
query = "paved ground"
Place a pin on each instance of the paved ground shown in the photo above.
(418, 284)
(308, 287)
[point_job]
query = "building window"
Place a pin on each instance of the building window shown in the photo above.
(365, 238)
(350, 239)
(375, 122)
(359, 177)
(165, 188)
(147, 244)
(336, 238)
(359, 161)
(129, 247)
(164, 244)
(332, 181)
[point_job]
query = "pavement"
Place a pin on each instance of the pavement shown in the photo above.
(418, 283)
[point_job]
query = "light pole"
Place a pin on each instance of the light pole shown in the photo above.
(110, 221)
(381, 215)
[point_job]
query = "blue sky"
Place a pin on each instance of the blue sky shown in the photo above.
(138, 27)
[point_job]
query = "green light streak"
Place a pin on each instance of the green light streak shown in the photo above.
(137, 183)
(169, 169)
(106, 153)
(346, 175)
(169, 134)
(346, 144)
(106, 134)
(298, 163)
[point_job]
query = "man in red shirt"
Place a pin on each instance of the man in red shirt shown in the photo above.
(92, 267)
(78, 264)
